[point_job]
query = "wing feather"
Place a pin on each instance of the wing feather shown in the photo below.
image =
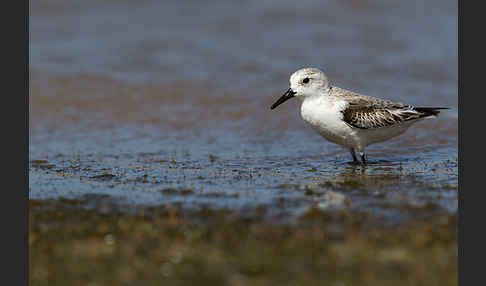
(367, 112)
(367, 117)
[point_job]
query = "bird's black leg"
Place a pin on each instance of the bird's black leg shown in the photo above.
(355, 159)
(363, 157)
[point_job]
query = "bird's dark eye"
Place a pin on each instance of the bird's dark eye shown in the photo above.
(305, 80)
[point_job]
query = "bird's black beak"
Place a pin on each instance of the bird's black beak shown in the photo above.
(286, 96)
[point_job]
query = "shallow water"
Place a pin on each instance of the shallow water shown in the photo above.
(142, 108)
(154, 156)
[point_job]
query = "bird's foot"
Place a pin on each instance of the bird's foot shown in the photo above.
(363, 158)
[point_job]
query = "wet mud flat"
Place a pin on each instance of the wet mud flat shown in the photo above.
(124, 190)
(220, 216)
(281, 186)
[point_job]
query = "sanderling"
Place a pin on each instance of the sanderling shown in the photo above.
(346, 118)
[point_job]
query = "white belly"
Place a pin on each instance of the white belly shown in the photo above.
(325, 118)
(371, 136)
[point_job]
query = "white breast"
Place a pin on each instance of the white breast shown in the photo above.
(324, 116)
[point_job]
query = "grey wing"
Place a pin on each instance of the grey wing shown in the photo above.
(367, 112)
(368, 117)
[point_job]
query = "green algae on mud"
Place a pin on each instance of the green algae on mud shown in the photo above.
(71, 244)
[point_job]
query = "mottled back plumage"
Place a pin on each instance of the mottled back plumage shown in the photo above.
(367, 112)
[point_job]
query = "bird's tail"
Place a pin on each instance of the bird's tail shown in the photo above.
(429, 111)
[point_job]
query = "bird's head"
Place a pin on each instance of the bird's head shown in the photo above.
(305, 82)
